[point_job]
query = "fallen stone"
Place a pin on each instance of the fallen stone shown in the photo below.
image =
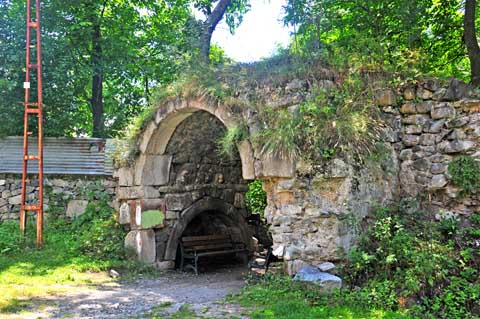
(326, 266)
(113, 273)
(323, 279)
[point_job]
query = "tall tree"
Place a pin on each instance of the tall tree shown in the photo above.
(471, 43)
(214, 11)
(97, 54)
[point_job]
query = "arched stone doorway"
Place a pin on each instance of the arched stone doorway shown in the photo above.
(179, 172)
(182, 174)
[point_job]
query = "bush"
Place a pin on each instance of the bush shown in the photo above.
(9, 237)
(340, 121)
(430, 267)
(256, 198)
(95, 233)
(465, 173)
(99, 234)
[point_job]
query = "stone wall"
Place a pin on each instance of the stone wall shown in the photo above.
(66, 193)
(432, 125)
(314, 210)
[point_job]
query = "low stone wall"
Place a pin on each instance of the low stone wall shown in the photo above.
(65, 194)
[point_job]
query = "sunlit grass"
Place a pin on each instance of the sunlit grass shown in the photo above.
(33, 274)
(283, 299)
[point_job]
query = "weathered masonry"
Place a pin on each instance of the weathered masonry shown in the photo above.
(181, 173)
(310, 212)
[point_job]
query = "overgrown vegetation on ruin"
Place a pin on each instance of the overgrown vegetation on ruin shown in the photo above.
(406, 266)
(465, 173)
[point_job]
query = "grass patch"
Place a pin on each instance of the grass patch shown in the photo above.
(280, 298)
(29, 276)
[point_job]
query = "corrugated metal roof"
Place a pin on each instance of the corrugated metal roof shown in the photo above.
(68, 156)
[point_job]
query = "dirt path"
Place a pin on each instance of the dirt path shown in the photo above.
(175, 291)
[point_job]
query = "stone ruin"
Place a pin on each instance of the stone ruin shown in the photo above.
(179, 172)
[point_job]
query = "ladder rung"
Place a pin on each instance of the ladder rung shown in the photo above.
(31, 207)
(33, 111)
(32, 66)
(32, 104)
(29, 133)
(32, 24)
(31, 158)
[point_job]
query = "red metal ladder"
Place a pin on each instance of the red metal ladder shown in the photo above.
(33, 108)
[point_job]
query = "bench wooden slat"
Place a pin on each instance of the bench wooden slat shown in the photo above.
(209, 247)
(205, 242)
(203, 238)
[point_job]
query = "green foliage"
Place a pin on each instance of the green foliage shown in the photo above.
(256, 198)
(342, 120)
(143, 45)
(9, 237)
(399, 36)
(227, 145)
(407, 261)
(99, 234)
(465, 173)
(279, 297)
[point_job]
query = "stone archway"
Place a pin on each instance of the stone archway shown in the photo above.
(161, 180)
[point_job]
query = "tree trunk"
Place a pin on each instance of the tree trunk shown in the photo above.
(209, 26)
(471, 43)
(97, 83)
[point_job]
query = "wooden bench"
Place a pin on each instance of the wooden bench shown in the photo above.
(194, 247)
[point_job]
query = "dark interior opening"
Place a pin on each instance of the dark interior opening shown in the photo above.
(211, 223)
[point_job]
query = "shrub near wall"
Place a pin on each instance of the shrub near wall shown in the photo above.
(405, 260)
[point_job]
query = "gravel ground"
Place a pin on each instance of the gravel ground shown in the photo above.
(204, 294)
